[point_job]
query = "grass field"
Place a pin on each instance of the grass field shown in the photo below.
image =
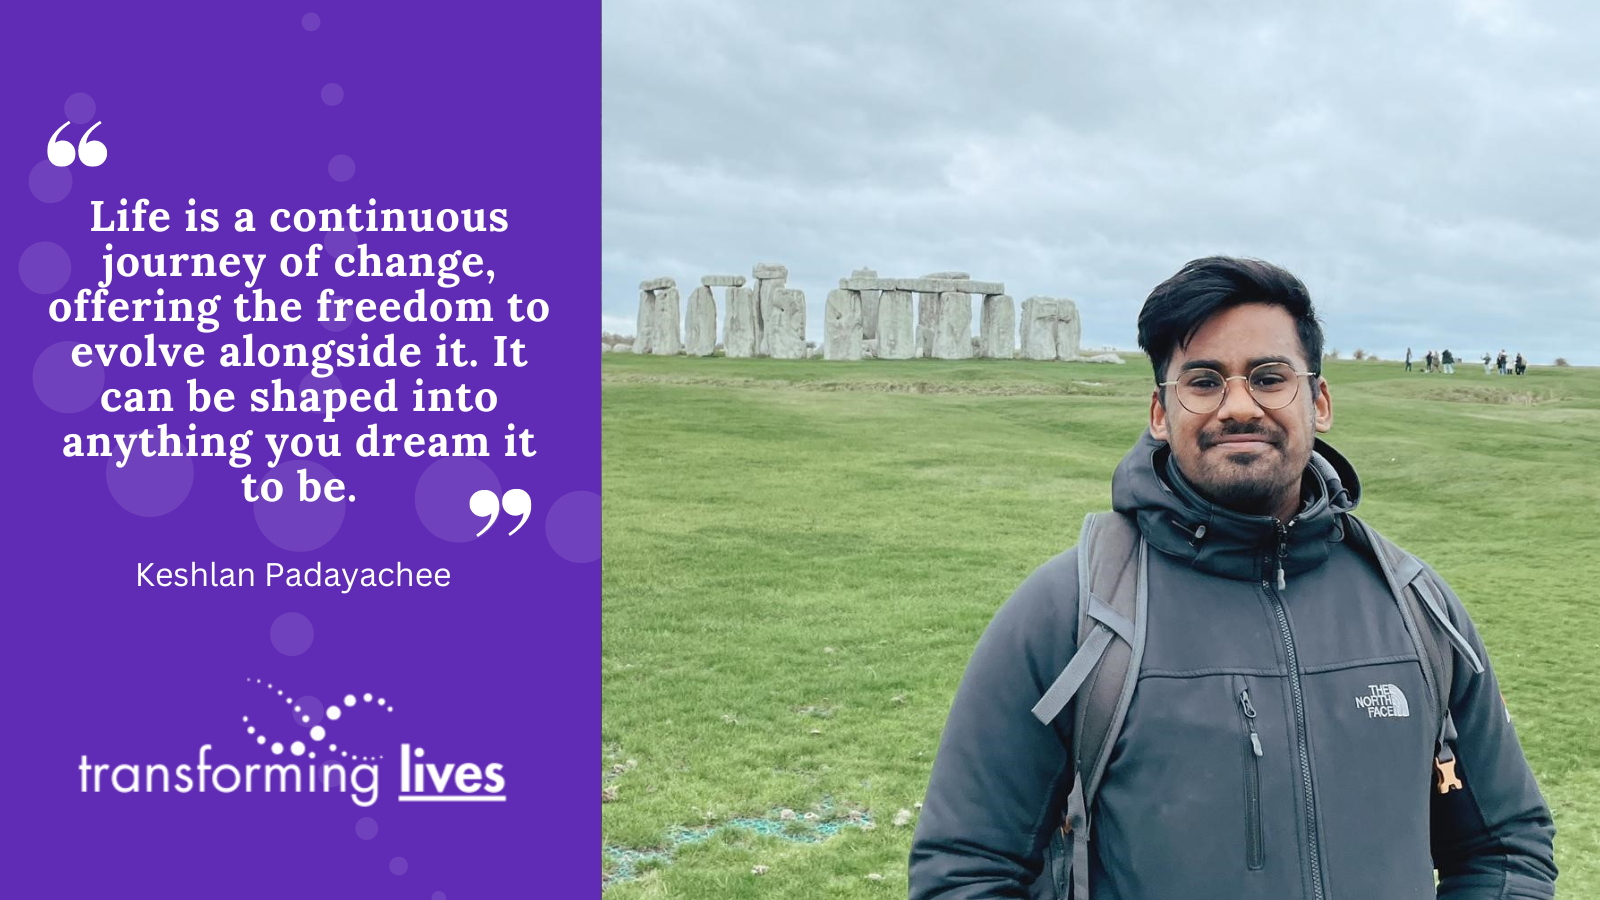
(799, 557)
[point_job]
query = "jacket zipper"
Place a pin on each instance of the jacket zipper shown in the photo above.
(1254, 851)
(1299, 713)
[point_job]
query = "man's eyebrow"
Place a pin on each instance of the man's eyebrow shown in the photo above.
(1216, 365)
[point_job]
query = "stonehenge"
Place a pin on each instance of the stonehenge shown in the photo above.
(867, 316)
(942, 328)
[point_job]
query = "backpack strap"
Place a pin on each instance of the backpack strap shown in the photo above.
(1112, 599)
(1432, 633)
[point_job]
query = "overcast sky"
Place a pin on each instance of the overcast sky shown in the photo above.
(1428, 169)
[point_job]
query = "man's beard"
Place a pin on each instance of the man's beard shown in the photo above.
(1251, 483)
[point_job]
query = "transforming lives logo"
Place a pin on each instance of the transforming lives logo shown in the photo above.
(420, 780)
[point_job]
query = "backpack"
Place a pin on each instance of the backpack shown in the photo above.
(1113, 566)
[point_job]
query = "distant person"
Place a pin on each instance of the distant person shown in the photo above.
(1270, 715)
(1408, 359)
(1488, 363)
(1427, 365)
(1500, 361)
(1449, 363)
(1522, 364)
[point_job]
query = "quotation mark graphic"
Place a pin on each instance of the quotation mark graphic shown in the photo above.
(90, 153)
(516, 502)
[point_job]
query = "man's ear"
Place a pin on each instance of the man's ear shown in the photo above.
(1322, 407)
(1158, 417)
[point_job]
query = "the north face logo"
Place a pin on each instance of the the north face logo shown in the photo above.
(1384, 701)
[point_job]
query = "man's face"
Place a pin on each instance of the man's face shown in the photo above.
(1243, 456)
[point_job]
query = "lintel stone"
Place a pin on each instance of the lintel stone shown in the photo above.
(868, 284)
(657, 284)
(978, 287)
(723, 281)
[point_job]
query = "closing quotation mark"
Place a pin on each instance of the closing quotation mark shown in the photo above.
(90, 153)
(516, 502)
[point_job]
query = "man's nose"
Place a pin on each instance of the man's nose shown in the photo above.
(1238, 403)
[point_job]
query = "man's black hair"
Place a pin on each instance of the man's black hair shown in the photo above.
(1177, 308)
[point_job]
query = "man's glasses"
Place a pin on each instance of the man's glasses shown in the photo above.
(1273, 385)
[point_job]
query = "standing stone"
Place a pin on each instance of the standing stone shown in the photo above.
(896, 326)
(1036, 338)
(785, 327)
(700, 323)
(769, 277)
(739, 330)
(997, 328)
(953, 332)
(1050, 328)
(644, 329)
(666, 340)
(841, 328)
(1069, 330)
(927, 323)
(869, 306)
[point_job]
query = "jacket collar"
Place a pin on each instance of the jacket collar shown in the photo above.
(1177, 521)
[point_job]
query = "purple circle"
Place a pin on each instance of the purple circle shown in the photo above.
(320, 384)
(341, 168)
(366, 828)
(294, 525)
(438, 895)
(292, 634)
(442, 495)
(398, 865)
(63, 386)
(44, 267)
(573, 526)
(311, 21)
(49, 182)
(150, 485)
(80, 108)
(332, 94)
(310, 708)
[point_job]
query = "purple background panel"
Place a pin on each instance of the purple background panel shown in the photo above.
(227, 104)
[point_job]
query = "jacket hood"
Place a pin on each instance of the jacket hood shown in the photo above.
(1177, 521)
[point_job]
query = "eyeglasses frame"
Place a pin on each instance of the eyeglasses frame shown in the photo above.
(1223, 397)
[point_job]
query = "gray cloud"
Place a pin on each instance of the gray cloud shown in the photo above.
(1428, 169)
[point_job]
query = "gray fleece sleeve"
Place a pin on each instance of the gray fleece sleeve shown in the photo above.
(1492, 840)
(1000, 779)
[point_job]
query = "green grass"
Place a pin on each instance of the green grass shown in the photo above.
(800, 555)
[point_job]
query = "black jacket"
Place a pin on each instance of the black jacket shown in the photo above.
(1339, 804)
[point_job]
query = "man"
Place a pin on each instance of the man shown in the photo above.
(1500, 361)
(1281, 735)
(1449, 362)
(1408, 359)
